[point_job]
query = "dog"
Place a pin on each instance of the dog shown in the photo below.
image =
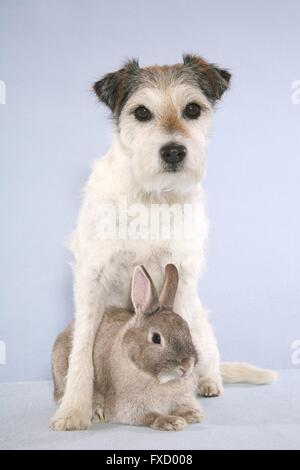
(162, 116)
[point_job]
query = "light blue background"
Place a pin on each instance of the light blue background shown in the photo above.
(52, 128)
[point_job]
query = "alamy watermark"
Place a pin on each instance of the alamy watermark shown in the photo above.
(296, 92)
(296, 352)
(2, 353)
(2, 92)
(122, 220)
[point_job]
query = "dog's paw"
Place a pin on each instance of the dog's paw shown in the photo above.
(70, 420)
(208, 387)
(169, 423)
(98, 414)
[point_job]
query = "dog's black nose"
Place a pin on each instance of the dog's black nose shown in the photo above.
(173, 153)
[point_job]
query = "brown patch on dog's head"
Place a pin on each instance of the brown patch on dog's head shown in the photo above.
(211, 79)
(115, 88)
(170, 121)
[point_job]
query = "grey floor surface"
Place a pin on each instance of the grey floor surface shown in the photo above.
(245, 417)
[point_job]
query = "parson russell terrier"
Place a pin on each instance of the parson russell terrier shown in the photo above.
(161, 119)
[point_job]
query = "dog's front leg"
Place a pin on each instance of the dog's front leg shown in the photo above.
(210, 382)
(188, 305)
(75, 411)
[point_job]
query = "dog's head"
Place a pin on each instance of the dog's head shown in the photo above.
(163, 115)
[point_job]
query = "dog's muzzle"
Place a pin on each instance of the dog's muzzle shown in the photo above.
(173, 154)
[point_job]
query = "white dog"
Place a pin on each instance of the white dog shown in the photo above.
(162, 116)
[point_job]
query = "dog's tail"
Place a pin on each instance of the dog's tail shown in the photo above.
(236, 372)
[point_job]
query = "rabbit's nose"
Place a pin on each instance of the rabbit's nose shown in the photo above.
(186, 362)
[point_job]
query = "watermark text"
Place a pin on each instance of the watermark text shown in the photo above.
(123, 221)
(296, 352)
(296, 92)
(2, 92)
(2, 353)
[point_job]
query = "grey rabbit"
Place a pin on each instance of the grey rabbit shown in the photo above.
(143, 360)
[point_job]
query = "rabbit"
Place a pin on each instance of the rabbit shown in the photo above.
(144, 360)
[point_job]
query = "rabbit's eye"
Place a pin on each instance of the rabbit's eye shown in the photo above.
(156, 338)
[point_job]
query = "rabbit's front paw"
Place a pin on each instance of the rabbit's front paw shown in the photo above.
(193, 416)
(169, 423)
(209, 387)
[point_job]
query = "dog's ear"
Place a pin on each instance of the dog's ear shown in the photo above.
(213, 80)
(114, 88)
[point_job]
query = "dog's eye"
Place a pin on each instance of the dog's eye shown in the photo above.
(156, 338)
(142, 114)
(192, 111)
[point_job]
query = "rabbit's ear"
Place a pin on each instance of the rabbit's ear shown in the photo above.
(143, 293)
(168, 292)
